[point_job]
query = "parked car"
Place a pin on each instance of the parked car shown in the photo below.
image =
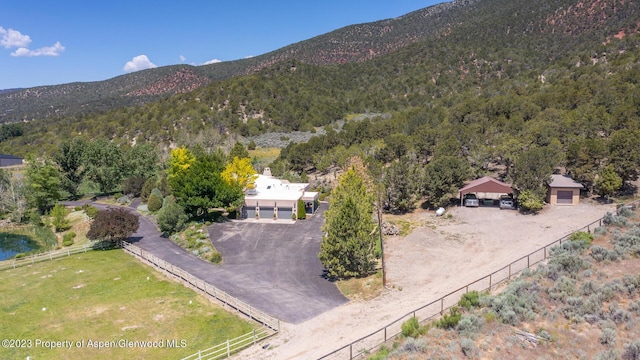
(506, 202)
(471, 200)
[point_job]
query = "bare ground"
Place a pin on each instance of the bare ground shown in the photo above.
(440, 255)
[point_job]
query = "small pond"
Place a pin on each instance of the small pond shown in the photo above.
(12, 244)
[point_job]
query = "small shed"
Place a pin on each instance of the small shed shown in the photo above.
(563, 190)
(9, 160)
(486, 185)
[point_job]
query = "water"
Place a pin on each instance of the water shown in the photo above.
(11, 244)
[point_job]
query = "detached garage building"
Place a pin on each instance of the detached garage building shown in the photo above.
(485, 187)
(563, 190)
(277, 199)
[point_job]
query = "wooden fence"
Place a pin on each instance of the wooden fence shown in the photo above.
(226, 349)
(364, 345)
(53, 254)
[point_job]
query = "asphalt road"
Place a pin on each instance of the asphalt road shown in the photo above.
(272, 267)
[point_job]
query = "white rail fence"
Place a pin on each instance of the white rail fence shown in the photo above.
(53, 254)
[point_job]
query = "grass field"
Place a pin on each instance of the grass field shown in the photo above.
(105, 296)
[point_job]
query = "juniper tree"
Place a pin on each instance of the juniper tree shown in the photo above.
(349, 241)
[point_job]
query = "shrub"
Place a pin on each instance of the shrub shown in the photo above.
(583, 236)
(608, 337)
(518, 302)
(122, 200)
(302, 212)
(59, 218)
(449, 321)
(412, 328)
(609, 354)
(251, 145)
(469, 300)
(410, 346)
(469, 325)
(148, 186)
(529, 201)
(468, 347)
(171, 217)
(20, 255)
(113, 225)
(625, 211)
(632, 351)
(155, 200)
(91, 211)
(599, 253)
(600, 230)
(216, 257)
(562, 289)
(614, 220)
(67, 239)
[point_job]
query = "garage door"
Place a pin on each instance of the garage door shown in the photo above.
(248, 212)
(266, 212)
(565, 197)
(285, 213)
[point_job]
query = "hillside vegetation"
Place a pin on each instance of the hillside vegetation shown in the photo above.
(497, 85)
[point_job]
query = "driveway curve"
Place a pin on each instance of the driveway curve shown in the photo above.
(274, 267)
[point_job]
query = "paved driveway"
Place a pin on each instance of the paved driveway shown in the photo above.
(276, 268)
(272, 267)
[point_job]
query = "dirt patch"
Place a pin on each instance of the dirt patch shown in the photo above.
(440, 255)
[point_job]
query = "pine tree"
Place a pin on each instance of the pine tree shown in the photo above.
(349, 242)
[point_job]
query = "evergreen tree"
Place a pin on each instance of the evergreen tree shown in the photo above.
(608, 182)
(238, 150)
(349, 242)
(69, 158)
(401, 184)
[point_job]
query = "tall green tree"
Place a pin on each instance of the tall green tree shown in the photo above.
(533, 168)
(69, 158)
(199, 186)
(349, 241)
(443, 176)
(104, 164)
(608, 182)
(584, 160)
(43, 184)
(401, 185)
(238, 150)
(141, 161)
(624, 153)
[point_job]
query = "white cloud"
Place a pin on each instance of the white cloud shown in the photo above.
(13, 38)
(182, 58)
(212, 62)
(54, 50)
(139, 62)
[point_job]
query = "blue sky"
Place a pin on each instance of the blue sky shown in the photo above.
(44, 42)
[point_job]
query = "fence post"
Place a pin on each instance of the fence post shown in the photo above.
(441, 305)
(385, 334)
(51, 255)
(509, 271)
(254, 336)
(490, 281)
(228, 349)
(350, 351)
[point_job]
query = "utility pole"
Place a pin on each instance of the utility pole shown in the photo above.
(384, 274)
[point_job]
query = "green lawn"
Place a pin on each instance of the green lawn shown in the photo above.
(106, 296)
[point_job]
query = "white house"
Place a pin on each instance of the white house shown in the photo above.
(273, 198)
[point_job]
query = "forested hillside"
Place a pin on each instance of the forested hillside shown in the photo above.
(516, 87)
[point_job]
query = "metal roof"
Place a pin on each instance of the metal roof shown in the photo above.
(564, 181)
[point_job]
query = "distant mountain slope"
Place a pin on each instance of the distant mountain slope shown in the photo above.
(440, 51)
(350, 44)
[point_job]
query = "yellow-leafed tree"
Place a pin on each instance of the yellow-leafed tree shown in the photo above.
(240, 172)
(180, 161)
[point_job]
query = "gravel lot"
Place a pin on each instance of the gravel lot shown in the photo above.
(440, 255)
